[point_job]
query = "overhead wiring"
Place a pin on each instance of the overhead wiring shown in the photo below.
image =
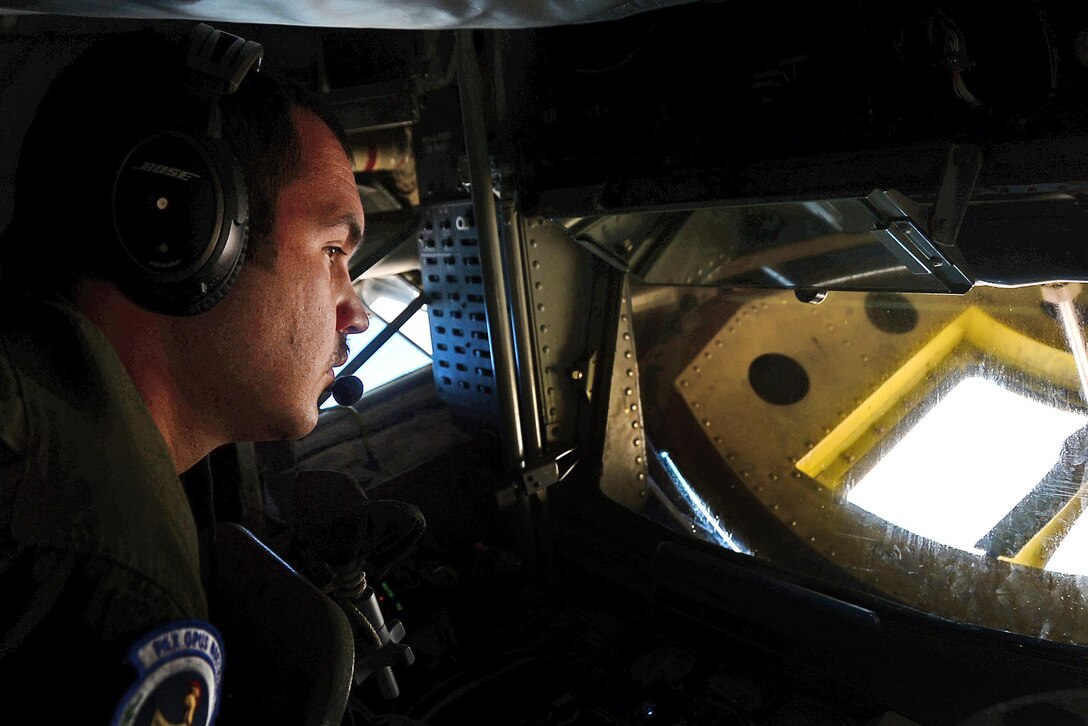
(954, 56)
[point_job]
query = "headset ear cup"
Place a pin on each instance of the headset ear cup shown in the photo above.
(180, 215)
(215, 296)
(180, 212)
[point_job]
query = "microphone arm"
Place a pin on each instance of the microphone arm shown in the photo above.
(348, 371)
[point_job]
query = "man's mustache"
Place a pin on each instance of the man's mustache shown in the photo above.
(341, 351)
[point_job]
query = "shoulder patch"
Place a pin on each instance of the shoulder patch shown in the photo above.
(179, 668)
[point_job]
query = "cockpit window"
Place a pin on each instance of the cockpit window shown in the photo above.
(1006, 442)
(926, 448)
(407, 350)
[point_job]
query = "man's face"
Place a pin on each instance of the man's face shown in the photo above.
(266, 352)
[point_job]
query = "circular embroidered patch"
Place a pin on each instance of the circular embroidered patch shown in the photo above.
(179, 670)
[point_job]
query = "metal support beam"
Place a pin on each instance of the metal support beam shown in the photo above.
(497, 297)
(529, 393)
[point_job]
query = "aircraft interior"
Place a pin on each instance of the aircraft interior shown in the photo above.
(733, 353)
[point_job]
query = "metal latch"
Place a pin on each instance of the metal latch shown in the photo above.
(904, 235)
(538, 476)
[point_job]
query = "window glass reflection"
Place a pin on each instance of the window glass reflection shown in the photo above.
(931, 448)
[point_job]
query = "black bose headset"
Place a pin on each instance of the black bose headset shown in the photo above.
(179, 200)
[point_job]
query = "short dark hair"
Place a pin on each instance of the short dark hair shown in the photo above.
(257, 123)
(118, 91)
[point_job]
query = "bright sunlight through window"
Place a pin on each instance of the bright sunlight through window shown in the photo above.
(417, 329)
(966, 463)
(408, 350)
(1072, 554)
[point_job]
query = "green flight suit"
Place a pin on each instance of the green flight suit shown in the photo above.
(97, 541)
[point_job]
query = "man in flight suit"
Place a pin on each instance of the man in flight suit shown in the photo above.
(104, 402)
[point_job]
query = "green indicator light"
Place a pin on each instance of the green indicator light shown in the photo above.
(399, 608)
(388, 590)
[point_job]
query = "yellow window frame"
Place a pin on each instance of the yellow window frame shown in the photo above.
(829, 461)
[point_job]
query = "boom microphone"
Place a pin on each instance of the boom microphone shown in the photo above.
(346, 390)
